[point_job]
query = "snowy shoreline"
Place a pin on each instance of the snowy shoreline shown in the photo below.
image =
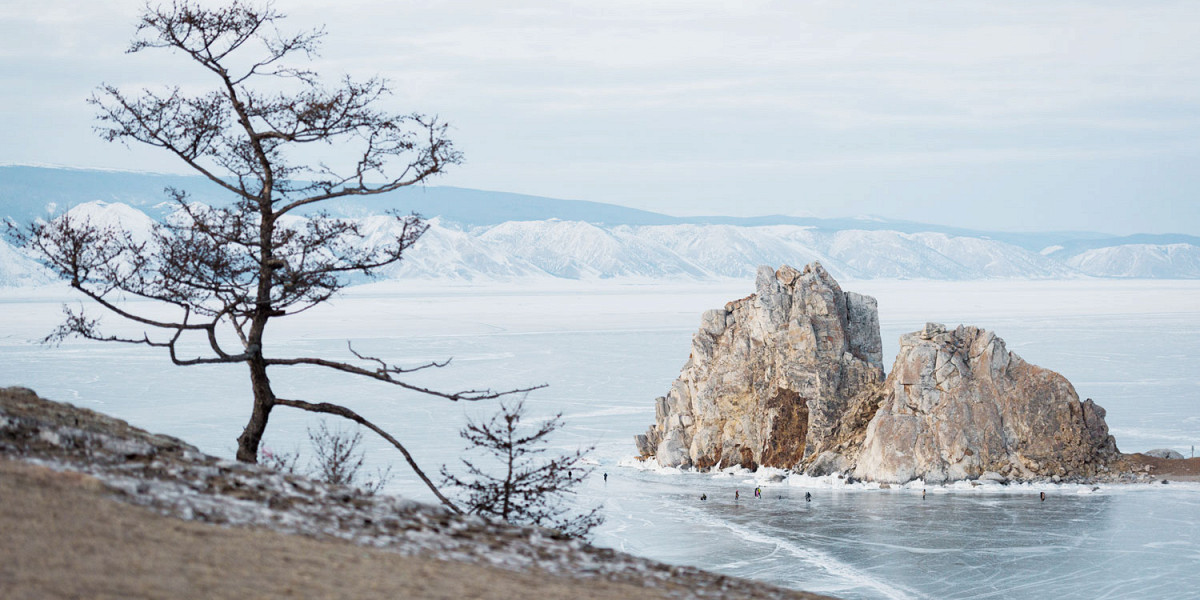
(771, 477)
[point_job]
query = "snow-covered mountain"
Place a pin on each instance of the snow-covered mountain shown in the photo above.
(470, 237)
(1136, 256)
(555, 248)
(578, 250)
(114, 215)
(19, 270)
(1167, 261)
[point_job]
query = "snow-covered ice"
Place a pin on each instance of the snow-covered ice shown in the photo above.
(606, 349)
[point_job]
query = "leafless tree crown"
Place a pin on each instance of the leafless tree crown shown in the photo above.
(226, 271)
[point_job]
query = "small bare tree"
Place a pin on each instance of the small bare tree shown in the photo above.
(531, 489)
(280, 460)
(339, 459)
(227, 272)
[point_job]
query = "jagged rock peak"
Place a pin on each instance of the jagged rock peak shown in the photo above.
(958, 405)
(792, 377)
(769, 375)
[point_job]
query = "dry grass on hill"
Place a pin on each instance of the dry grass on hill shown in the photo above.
(67, 534)
(63, 538)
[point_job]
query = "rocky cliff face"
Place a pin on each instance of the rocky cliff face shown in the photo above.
(959, 405)
(792, 377)
(770, 375)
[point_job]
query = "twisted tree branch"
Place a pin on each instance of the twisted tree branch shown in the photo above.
(342, 411)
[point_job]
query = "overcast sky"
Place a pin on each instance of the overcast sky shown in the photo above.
(997, 115)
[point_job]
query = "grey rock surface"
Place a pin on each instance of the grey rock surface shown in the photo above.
(792, 377)
(769, 375)
(958, 405)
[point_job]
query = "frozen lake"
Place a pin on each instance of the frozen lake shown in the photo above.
(606, 350)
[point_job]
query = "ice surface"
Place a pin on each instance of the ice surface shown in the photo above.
(607, 349)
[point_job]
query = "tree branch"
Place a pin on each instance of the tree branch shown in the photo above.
(341, 411)
(386, 371)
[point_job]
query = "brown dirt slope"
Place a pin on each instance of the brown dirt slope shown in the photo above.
(91, 507)
(63, 538)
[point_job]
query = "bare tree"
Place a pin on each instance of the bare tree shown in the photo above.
(531, 489)
(339, 459)
(280, 460)
(226, 272)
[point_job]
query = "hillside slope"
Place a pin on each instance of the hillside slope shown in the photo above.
(74, 483)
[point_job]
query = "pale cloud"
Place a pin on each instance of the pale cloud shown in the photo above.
(557, 97)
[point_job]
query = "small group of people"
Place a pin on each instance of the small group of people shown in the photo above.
(737, 495)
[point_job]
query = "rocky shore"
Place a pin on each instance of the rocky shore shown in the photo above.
(259, 533)
(791, 377)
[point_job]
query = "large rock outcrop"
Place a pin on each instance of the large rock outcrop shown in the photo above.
(791, 377)
(770, 375)
(958, 405)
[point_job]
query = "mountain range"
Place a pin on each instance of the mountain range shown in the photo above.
(482, 235)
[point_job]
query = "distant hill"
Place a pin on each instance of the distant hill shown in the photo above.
(495, 235)
(29, 192)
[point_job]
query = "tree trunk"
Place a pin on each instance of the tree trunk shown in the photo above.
(264, 401)
(508, 478)
(264, 397)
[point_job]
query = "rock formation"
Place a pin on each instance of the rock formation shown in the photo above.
(769, 376)
(959, 405)
(791, 377)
